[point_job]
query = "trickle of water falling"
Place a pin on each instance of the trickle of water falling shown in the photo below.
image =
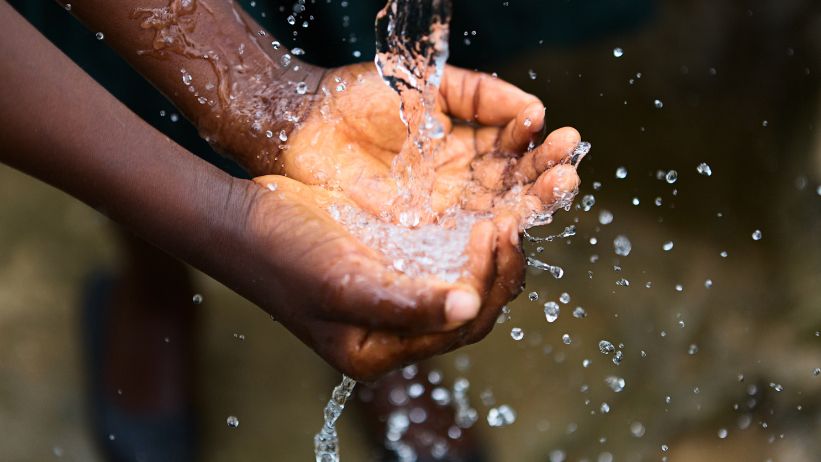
(326, 442)
(411, 52)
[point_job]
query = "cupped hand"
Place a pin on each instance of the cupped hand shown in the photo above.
(342, 297)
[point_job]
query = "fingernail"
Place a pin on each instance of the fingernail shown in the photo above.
(461, 305)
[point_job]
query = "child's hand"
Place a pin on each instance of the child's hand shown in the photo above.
(340, 296)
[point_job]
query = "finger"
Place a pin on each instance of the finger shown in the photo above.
(523, 130)
(510, 271)
(558, 146)
(555, 184)
(479, 270)
(479, 97)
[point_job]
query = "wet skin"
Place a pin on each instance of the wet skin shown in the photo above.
(281, 249)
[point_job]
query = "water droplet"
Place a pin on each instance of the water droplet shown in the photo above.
(623, 282)
(517, 334)
(636, 201)
(692, 349)
(275, 44)
(704, 169)
(588, 201)
(297, 51)
(708, 283)
(532, 74)
(269, 134)
(615, 383)
(301, 88)
(174, 117)
(533, 296)
(757, 235)
(621, 173)
(186, 78)
(764, 123)
(551, 311)
(196, 299)
(671, 176)
(604, 408)
(816, 372)
(622, 245)
(605, 217)
(564, 298)
(618, 357)
(527, 122)
(722, 433)
(291, 19)
(618, 52)
(566, 339)
(501, 416)
(68, 7)
(579, 313)
(283, 136)
(723, 254)
(606, 347)
(658, 104)
(285, 60)
(637, 429)
(99, 35)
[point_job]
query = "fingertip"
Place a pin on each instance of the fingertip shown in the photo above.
(555, 183)
(461, 305)
(564, 140)
(533, 117)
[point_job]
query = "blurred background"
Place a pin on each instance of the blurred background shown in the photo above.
(720, 334)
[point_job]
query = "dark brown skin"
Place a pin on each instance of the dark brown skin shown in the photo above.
(281, 249)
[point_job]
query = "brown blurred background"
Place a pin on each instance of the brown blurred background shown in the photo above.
(739, 84)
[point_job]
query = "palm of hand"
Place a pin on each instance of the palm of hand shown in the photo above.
(350, 139)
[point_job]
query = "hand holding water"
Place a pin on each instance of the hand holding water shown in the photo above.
(360, 314)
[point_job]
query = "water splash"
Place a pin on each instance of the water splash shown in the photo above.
(326, 442)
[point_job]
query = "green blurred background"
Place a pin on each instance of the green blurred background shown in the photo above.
(739, 83)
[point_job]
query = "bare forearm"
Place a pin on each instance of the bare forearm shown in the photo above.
(220, 68)
(58, 125)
